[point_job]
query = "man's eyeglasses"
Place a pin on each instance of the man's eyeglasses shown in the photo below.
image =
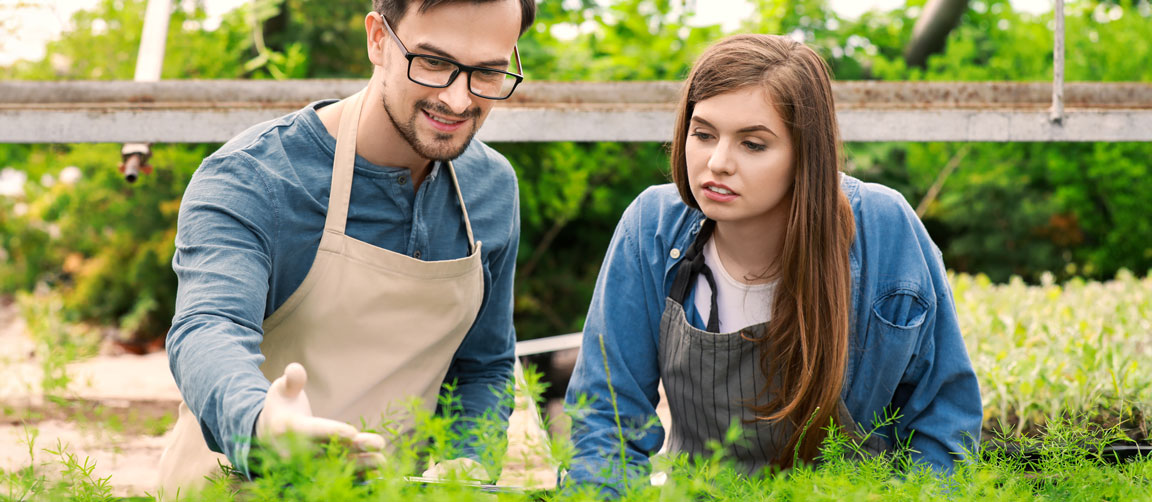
(439, 72)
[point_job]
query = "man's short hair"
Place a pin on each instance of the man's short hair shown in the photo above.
(394, 10)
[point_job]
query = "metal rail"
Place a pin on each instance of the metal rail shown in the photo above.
(1057, 114)
(190, 111)
(549, 344)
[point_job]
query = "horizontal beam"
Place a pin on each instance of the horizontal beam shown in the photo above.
(190, 111)
(549, 344)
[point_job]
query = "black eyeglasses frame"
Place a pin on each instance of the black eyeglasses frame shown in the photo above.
(459, 67)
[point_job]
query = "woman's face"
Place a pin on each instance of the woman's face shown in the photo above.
(739, 158)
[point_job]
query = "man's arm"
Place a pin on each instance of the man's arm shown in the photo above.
(223, 262)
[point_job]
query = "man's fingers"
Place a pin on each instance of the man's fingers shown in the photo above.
(323, 428)
(295, 378)
(368, 442)
(369, 461)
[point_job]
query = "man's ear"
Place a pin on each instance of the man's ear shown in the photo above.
(377, 37)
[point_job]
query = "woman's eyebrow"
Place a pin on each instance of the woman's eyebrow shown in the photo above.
(758, 127)
(754, 128)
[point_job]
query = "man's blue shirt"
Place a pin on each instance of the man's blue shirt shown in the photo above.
(249, 228)
(905, 351)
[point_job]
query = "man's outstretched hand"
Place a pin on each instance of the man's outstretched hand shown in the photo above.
(286, 409)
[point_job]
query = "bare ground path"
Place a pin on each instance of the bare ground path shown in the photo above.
(119, 409)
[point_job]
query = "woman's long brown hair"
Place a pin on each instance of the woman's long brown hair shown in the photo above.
(804, 351)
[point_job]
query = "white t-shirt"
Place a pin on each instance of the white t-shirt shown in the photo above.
(740, 305)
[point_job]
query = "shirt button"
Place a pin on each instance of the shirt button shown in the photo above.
(416, 254)
(401, 180)
(675, 253)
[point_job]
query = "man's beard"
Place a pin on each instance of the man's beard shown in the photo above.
(440, 148)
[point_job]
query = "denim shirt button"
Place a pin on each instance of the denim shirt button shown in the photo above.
(416, 254)
(675, 253)
(401, 180)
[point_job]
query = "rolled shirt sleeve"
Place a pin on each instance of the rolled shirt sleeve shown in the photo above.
(939, 395)
(625, 312)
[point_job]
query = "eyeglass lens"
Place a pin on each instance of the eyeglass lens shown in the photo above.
(436, 72)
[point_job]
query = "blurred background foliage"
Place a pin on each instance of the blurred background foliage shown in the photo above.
(1018, 209)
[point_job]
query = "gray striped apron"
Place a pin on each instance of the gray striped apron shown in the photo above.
(710, 379)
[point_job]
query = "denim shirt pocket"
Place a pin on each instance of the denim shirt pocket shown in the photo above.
(900, 308)
(894, 324)
(892, 335)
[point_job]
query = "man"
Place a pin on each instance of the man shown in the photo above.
(354, 253)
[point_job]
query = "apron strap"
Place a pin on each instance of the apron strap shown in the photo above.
(691, 265)
(343, 165)
(463, 209)
(343, 168)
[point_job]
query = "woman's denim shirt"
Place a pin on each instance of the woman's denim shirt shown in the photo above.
(905, 349)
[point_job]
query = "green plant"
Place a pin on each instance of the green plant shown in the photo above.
(58, 343)
(74, 479)
(1008, 209)
(1067, 465)
(1043, 350)
(1072, 209)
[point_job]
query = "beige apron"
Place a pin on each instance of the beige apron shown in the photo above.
(374, 328)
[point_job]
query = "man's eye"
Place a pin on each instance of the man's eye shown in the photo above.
(488, 76)
(433, 64)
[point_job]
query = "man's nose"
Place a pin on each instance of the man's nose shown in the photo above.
(457, 96)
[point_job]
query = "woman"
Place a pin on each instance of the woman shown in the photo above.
(766, 289)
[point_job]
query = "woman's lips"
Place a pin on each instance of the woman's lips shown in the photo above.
(719, 193)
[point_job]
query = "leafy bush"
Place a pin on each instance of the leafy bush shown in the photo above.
(1040, 351)
(1009, 209)
(1068, 463)
(1024, 208)
(107, 246)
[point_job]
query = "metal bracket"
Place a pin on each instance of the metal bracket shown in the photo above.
(134, 159)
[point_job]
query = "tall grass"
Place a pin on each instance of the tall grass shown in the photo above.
(1043, 354)
(1068, 465)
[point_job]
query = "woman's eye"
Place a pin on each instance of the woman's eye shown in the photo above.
(755, 147)
(701, 135)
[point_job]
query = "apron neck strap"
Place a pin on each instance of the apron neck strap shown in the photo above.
(343, 168)
(693, 264)
(463, 208)
(343, 165)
